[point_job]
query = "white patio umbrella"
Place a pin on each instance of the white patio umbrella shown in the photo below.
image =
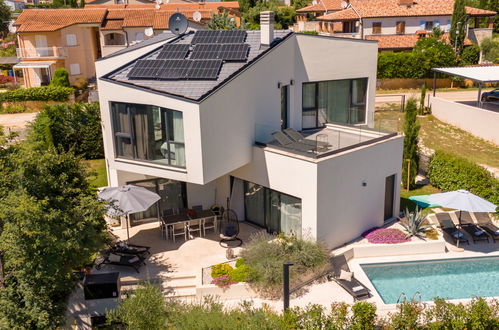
(128, 199)
(462, 200)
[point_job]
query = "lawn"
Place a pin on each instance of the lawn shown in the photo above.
(436, 135)
(420, 190)
(98, 173)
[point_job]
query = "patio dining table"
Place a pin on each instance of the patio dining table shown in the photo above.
(203, 216)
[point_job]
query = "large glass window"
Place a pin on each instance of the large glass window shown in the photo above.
(271, 209)
(334, 101)
(146, 132)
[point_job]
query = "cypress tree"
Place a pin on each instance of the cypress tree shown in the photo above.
(458, 26)
(411, 133)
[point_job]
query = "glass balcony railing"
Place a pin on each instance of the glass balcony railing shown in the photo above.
(41, 52)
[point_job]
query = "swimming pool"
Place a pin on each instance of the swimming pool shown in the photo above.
(449, 278)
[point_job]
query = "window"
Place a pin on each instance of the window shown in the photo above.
(284, 106)
(349, 27)
(376, 28)
(139, 36)
(71, 40)
(400, 27)
(335, 101)
(74, 69)
(428, 25)
(150, 133)
(271, 209)
(114, 39)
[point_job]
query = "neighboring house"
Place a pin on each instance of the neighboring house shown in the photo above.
(15, 4)
(75, 38)
(397, 24)
(199, 131)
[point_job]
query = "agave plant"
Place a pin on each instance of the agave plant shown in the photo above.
(414, 225)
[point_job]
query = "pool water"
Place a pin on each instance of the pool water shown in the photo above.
(450, 278)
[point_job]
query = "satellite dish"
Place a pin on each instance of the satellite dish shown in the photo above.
(178, 23)
(314, 2)
(149, 31)
(344, 4)
(196, 16)
(158, 4)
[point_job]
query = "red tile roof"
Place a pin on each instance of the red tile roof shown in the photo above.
(391, 8)
(322, 6)
(403, 41)
(46, 20)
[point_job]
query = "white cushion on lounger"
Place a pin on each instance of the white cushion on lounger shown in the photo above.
(458, 234)
(357, 288)
(497, 232)
(479, 232)
(114, 258)
(134, 259)
(346, 276)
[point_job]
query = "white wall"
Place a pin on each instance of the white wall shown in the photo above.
(346, 208)
(479, 122)
(412, 24)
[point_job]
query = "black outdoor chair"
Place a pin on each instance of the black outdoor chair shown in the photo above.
(132, 249)
(112, 258)
(449, 228)
(229, 230)
(486, 223)
(358, 290)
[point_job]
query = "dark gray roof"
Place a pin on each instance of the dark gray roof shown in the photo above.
(147, 42)
(197, 89)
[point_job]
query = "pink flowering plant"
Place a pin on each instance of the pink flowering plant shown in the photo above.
(223, 281)
(386, 236)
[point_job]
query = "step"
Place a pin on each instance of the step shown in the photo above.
(179, 283)
(180, 292)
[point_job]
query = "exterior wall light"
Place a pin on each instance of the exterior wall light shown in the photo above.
(279, 85)
(292, 82)
(364, 183)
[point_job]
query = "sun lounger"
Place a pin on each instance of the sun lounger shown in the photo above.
(111, 258)
(477, 233)
(450, 229)
(285, 141)
(126, 248)
(358, 290)
(297, 137)
(485, 222)
(465, 218)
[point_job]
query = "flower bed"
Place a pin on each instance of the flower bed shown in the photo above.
(386, 236)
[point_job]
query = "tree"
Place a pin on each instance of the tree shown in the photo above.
(222, 22)
(490, 50)
(411, 139)
(144, 310)
(458, 26)
(52, 225)
(471, 55)
(5, 17)
(284, 16)
(82, 3)
(60, 78)
(422, 99)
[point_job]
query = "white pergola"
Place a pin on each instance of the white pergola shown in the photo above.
(481, 74)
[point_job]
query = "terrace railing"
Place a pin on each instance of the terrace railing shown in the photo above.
(38, 52)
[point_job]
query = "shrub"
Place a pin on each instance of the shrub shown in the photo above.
(408, 316)
(243, 273)
(421, 109)
(221, 270)
(13, 109)
(75, 127)
(266, 253)
(414, 223)
(81, 83)
(364, 316)
(6, 79)
(450, 172)
(48, 93)
(387, 236)
(240, 262)
(490, 49)
(60, 78)
(471, 55)
(223, 281)
(432, 234)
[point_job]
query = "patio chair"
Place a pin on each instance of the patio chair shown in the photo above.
(209, 223)
(132, 249)
(178, 229)
(194, 226)
(449, 228)
(229, 230)
(297, 137)
(111, 258)
(486, 224)
(353, 286)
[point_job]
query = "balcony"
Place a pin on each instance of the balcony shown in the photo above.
(46, 52)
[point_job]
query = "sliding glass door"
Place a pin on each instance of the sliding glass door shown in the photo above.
(275, 211)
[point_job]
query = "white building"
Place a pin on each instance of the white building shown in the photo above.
(202, 140)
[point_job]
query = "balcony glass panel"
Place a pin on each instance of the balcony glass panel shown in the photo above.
(150, 133)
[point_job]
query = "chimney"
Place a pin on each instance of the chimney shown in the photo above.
(266, 27)
(407, 3)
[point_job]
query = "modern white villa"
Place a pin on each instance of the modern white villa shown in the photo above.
(205, 117)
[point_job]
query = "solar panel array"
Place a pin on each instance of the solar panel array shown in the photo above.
(227, 52)
(219, 37)
(173, 51)
(176, 69)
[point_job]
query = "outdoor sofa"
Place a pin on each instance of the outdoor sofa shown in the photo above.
(353, 286)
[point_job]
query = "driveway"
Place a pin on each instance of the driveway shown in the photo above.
(17, 122)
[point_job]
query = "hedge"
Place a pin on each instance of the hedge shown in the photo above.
(48, 93)
(450, 172)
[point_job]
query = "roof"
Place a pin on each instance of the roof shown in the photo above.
(402, 41)
(391, 8)
(162, 37)
(483, 73)
(46, 20)
(322, 6)
(196, 90)
(170, 6)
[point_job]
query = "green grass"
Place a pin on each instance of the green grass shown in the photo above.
(437, 135)
(420, 190)
(98, 173)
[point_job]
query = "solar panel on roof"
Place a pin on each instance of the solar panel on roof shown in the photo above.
(173, 51)
(146, 69)
(227, 52)
(175, 69)
(204, 69)
(206, 51)
(219, 37)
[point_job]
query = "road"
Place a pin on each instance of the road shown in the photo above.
(16, 122)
